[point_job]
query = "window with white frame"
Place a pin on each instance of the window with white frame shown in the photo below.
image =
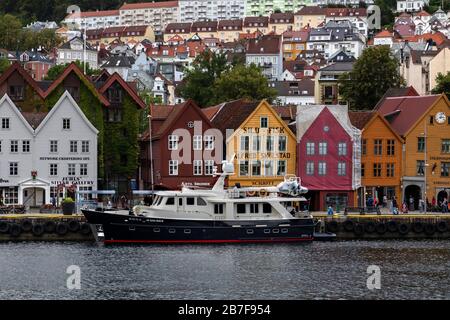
(269, 143)
(53, 146)
(198, 165)
(243, 168)
(26, 146)
(0, 146)
(341, 169)
(209, 167)
(322, 168)
(264, 122)
(256, 143)
(66, 124)
(85, 146)
(323, 148)
(197, 142)
(342, 148)
(256, 168)
(11, 195)
(14, 146)
(310, 148)
(310, 168)
(282, 142)
(245, 143)
(173, 142)
(13, 168)
(71, 169)
(173, 167)
(53, 169)
(83, 169)
(5, 123)
(268, 168)
(73, 146)
(209, 142)
(281, 168)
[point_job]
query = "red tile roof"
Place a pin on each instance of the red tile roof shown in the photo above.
(264, 45)
(90, 14)
(256, 22)
(403, 112)
(360, 118)
(311, 11)
(145, 5)
(384, 34)
(286, 17)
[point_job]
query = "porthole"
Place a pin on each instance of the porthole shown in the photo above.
(250, 231)
(284, 230)
(275, 230)
(187, 231)
(156, 230)
(172, 230)
(266, 231)
(326, 128)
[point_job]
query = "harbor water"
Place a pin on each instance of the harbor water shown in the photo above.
(327, 270)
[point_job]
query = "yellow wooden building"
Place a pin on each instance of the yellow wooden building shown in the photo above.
(264, 149)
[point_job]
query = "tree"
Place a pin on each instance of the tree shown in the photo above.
(243, 82)
(442, 84)
(10, 28)
(198, 84)
(4, 64)
(56, 70)
(375, 71)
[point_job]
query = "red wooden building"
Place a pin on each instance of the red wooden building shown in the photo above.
(328, 156)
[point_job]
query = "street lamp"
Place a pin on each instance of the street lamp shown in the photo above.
(425, 164)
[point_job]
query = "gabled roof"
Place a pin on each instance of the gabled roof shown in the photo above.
(363, 119)
(311, 11)
(404, 112)
(26, 76)
(178, 111)
(397, 92)
(230, 115)
(11, 104)
(66, 95)
(117, 78)
(72, 67)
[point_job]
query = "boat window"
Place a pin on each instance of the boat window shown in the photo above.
(190, 201)
(170, 201)
(155, 202)
(250, 231)
(180, 201)
(218, 208)
(267, 208)
(187, 231)
(241, 208)
(172, 230)
(254, 207)
(201, 202)
(266, 231)
(156, 230)
(160, 200)
(284, 230)
(276, 230)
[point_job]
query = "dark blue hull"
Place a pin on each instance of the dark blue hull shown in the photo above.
(136, 229)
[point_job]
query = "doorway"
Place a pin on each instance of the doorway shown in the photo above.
(415, 192)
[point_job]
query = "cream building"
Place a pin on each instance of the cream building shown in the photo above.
(439, 64)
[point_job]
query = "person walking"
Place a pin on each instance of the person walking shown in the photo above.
(385, 200)
(411, 203)
(404, 207)
(445, 206)
(394, 206)
(330, 210)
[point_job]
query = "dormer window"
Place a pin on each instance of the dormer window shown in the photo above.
(115, 95)
(16, 92)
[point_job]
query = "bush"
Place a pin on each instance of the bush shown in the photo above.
(68, 200)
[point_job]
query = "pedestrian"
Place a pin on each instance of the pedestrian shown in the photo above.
(385, 201)
(433, 202)
(394, 206)
(404, 207)
(330, 211)
(123, 200)
(444, 205)
(421, 205)
(53, 201)
(411, 203)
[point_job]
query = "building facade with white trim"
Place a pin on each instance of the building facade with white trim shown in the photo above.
(57, 157)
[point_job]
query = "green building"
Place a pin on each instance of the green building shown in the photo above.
(266, 7)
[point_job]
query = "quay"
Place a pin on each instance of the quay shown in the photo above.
(44, 227)
(385, 226)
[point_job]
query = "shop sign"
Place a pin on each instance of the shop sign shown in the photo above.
(68, 181)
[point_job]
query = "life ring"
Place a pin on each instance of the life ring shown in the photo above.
(392, 226)
(61, 228)
(74, 226)
(429, 229)
(358, 229)
(4, 227)
(38, 229)
(348, 225)
(251, 193)
(403, 228)
(263, 193)
(381, 228)
(417, 227)
(26, 225)
(50, 226)
(442, 226)
(15, 230)
(85, 229)
(332, 226)
(370, 227)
